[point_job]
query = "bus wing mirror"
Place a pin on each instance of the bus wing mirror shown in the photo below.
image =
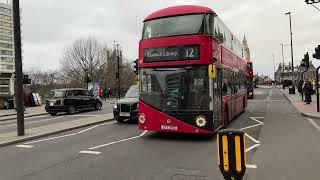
(212, 71)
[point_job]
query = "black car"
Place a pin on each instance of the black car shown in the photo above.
(127, 108)
(71, 101)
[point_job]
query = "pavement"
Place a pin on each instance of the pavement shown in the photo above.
(38, 126)
(281, 144)
(308, 110)
(29, 112)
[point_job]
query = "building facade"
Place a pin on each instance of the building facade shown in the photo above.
(7, 65)
(284, 73)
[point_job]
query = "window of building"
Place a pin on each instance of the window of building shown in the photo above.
(4, 81)
(6, 59)
(6, 52)
(5, 31)
(5, 10)
(6, 45)
(5, 38)
(4, 90)
(5, 24)
(5, 17)
(6, 66)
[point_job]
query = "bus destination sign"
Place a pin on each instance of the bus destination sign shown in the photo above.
(172, 53)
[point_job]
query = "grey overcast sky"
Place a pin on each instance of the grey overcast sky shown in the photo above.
(51, 25)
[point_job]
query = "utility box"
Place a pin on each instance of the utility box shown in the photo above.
(292, 90)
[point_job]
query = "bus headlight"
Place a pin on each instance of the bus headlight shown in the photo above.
(201, 121)
(142, 119)
(115, 106)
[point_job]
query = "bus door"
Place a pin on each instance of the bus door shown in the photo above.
(234, 97)
(215, 84)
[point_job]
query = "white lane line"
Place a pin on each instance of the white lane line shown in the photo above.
(314, 124)
(84, 115)
(24, 146)
(250, 126)
(67, 135)
(251, 166)
(116, 142)
(254, 140)
(31, 122)
(254, 119)
(252, 147)
(90, 152)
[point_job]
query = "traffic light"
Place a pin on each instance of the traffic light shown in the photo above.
(26, 79)
(136, 67)
(311, 1)
(305, 60)
(316, 55)
(117, 76)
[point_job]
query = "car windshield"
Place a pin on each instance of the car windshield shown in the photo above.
(175, 89)
(56, 94)
(133, 92)
(172, 26)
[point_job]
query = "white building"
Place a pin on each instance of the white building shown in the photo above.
(7, 65)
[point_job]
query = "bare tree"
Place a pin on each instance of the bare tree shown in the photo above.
(85, 57)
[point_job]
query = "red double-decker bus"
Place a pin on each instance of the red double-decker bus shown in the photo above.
(192, 72)
(250, 82)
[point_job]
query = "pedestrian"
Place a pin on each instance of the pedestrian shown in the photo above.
(300, 85)
(104, 94)
(308, 91)
(109, 93)
(100, 93)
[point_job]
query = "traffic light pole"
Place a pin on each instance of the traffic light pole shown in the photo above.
(317, 85)
(18, 67)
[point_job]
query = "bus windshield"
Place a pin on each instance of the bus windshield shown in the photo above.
(175, 89)
(173, 26)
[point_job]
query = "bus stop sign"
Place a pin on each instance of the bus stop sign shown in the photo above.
(231, 153)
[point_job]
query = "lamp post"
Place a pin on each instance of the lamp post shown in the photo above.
(282, 62)
(18, 67)
(292, 66)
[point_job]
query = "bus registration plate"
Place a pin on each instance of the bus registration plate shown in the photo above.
(125, 114)
(166, 127)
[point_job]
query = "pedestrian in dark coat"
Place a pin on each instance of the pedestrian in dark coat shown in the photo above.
(308, 91)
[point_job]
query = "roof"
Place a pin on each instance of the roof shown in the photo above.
(179, 10)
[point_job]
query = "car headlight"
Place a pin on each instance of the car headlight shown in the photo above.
(142, 119)
(201, 121)
(116, 106)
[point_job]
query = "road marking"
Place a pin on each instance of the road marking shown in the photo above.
(314, 124)
(251, 166)
(90, 152)
(24, 146)
(255, 119)
(116, 142)
(84, 115)
(252, 147)
(68, 135)
(254, 140)
(250, 126)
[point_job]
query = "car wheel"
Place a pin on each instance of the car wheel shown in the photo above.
(98, 106)
(71, 110)
(53, 114)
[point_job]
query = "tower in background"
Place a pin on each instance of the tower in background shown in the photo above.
(246, 49)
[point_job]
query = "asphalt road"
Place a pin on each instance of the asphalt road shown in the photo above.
(37, 121)
(119, 151)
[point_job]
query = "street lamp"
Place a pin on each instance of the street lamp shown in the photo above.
(292, 66)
